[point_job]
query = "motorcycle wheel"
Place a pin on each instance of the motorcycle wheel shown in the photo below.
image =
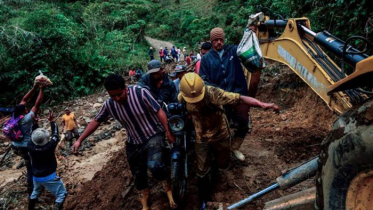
(178, 182)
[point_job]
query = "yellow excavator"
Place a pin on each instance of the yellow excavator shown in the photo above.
(344, 168)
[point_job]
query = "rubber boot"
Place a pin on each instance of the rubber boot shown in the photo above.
(143, 197)
(239, 155)
(236, 144)
(167, 187)
(58, 206)
(31, 204)
(204, 187)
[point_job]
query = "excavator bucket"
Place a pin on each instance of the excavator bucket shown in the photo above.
(363, 76)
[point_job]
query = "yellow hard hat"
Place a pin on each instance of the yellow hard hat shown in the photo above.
(192, 88)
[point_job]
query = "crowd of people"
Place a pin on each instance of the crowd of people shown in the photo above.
(216, 97)
(175, 55)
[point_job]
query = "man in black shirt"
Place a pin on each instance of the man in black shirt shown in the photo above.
(158, 83)
(44, 165)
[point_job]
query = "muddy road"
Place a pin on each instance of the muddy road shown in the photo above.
(157, 44)
(99, 177)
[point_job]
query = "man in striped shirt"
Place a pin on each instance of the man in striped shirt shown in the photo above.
(146, 123)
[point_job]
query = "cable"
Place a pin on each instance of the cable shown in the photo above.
(330, 69)
(353, 94)
(344, 51)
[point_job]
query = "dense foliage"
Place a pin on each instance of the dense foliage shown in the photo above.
(77, 43)
(191, 21)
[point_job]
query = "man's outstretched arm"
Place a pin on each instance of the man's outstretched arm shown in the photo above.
(256, 103)
(92, 127)
(28, 95)
(39, 100)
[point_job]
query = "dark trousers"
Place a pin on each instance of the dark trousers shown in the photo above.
(22, 151)
(147, 155)
(203, 150)
(239, 114)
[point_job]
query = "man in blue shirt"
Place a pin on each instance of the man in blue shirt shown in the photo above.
(20, 147)
(158, 83)
(180, 71)
(222, 68)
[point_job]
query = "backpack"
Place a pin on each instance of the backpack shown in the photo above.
(11, 129)
(173, 52)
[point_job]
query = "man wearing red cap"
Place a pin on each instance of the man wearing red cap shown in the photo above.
(221, 67)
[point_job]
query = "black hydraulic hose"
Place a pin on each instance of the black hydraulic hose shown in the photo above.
(344, 51)
(332, 74)
(320, 59)
(364, 91)
(357, 97)
(354, 97)
(324, 57)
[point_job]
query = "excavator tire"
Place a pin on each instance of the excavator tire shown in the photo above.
(345, 178)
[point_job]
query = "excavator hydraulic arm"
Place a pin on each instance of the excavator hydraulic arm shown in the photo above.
(299, 48)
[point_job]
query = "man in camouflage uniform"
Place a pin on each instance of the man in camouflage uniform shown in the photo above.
(205, 104)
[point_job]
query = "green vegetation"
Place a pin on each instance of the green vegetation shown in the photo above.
(77, 43)
(190, 21)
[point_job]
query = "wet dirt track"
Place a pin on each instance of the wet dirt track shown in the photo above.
(276, 143)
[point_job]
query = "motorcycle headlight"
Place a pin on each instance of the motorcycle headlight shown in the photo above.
(176, 123)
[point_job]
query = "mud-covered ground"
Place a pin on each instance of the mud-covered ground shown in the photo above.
(99, 178)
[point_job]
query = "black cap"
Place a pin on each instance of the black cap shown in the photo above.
(154, 66)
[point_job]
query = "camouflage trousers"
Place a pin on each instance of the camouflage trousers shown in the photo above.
(206, 151)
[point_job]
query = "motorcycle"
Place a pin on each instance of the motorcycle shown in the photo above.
(183, 129)
(169, 59)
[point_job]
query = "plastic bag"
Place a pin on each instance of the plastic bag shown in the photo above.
(42, 79)
(249, 51)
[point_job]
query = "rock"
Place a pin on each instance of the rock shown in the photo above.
(283, 117)
(45, 112)
(117, 126)
(86, 107)
(92, 112)
(278, 129)
(83, 122)
(97, 105)
(96, 138)
(101, 135)
(100, 100)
